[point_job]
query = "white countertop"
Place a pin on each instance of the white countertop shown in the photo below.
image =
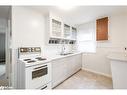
(58, 56)
(50, 58)
(118, 56)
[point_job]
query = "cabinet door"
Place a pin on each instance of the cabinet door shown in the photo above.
(56, 28)
(102, 29)
(69, 66)
(74, 64)
(74, 33)
(78, 62)
(67, 31)
(58, 72)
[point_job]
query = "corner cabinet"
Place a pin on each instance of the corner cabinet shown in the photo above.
(74, 33)
(70, 32)
(65, 67)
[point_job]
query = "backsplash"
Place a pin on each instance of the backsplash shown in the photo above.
(56, 49)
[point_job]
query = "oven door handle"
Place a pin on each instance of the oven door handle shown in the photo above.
(41, 67)
(44, 87)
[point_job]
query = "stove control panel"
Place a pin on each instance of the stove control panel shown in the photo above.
(29, 49)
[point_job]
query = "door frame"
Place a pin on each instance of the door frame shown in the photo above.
(8, 49)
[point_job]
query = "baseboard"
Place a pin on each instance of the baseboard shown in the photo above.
(97, 72)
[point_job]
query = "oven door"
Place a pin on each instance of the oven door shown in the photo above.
(39, 72)
(37, 76)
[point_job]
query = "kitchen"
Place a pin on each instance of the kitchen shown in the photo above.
(73, 53)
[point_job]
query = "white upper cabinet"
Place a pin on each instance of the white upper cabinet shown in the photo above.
(55, 26)
(74, 33)
(57, 29)
(67, 31)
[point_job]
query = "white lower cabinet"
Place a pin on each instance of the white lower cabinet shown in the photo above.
(78, 62)
(65, 67)
(58, 72)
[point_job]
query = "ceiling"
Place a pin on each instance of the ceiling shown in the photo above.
(82, 14)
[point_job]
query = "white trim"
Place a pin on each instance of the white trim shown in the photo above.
(107, 75)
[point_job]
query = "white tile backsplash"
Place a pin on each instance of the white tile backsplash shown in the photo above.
(56, 49)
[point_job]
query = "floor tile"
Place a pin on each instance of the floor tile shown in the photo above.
(86, 80)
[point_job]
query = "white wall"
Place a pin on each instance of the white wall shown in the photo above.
(27, 27)
(98, 61)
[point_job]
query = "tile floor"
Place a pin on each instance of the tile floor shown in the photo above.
(86, 80)
(3, 81)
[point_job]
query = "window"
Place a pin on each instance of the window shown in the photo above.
(86, 37)
(102, 29)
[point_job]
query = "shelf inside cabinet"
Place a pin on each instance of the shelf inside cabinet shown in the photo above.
(57, 40)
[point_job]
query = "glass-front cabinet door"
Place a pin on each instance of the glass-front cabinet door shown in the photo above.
(74, 33)
(56, 28)
(67, 32)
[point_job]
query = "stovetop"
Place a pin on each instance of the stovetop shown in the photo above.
(31, 56)
(32, 60)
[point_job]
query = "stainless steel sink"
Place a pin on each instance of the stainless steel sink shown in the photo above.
(65, 54)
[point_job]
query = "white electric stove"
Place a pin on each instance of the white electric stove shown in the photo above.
(33, 71)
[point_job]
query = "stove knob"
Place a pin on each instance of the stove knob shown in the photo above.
(22, 50)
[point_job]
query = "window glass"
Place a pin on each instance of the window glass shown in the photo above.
(86, 37)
